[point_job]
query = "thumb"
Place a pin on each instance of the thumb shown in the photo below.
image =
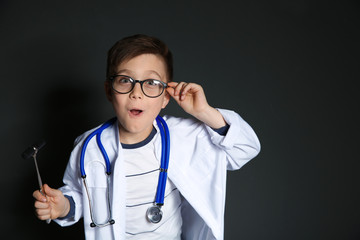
(171, 92)
(50, 192)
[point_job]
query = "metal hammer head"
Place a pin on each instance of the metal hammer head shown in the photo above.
(33, 149)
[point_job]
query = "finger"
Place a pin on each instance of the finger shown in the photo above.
(42, 211)
(50, 192)
(189, 89)
(182, 90)
(171, 92)
(38, 196)
(178, 88)
(186, 88)
(44, 217)
(172, 84)
(43, 214)
(171, 87)
(41, 205)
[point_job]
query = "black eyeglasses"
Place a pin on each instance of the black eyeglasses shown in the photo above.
(150, 87)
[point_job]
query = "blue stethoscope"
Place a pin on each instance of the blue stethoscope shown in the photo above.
(154, 213)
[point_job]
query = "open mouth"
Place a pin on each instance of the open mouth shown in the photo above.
(136, 112)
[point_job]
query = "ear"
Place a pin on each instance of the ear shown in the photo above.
(165, 100)
(108, 90)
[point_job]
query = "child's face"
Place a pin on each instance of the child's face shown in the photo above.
(135, 111)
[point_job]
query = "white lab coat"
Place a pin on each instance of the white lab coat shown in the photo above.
(199, 159)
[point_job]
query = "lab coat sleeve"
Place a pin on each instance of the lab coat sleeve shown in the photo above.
(73, 187)
(240, 143)
(200, 158)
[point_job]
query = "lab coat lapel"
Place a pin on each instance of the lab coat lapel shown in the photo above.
(118, 183)
(157, 143)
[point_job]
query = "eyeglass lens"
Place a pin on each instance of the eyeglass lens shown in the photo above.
(150, 87)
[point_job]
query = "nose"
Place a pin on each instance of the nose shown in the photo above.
(136, 92)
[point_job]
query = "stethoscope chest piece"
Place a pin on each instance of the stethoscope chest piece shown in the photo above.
(154, 214)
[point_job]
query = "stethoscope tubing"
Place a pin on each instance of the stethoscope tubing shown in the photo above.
(165, 154)
(97, 132)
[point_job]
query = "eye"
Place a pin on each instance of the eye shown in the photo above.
(152, 83)
(123, 80)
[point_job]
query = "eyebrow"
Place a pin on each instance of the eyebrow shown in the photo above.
(127, 71)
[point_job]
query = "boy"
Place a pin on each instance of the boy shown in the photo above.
(200, 154)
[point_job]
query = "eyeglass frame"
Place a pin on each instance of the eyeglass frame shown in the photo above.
(141, 82)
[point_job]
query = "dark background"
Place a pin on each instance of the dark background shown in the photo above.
(288, 67)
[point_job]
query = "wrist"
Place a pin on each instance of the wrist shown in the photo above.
(66, 208)
(211, 117)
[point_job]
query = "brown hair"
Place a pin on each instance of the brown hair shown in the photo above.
(133, 46)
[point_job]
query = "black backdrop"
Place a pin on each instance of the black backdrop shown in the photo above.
(288, 67)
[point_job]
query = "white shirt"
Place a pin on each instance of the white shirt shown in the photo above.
(142, 174)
